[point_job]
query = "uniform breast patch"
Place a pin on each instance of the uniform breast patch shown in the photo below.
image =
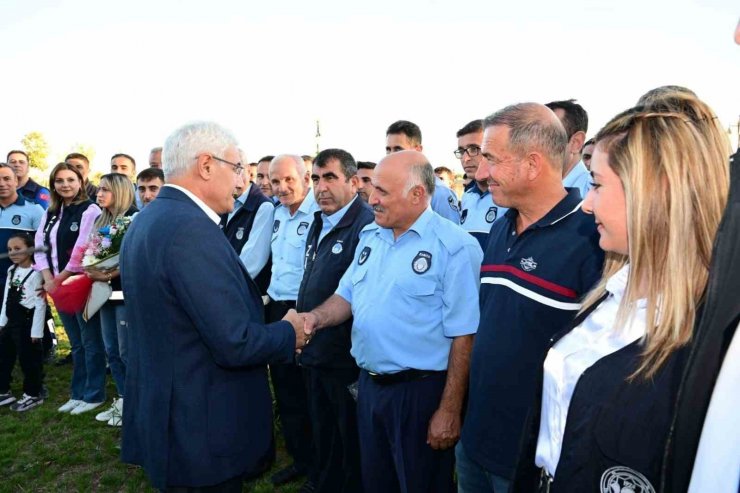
(422, 262)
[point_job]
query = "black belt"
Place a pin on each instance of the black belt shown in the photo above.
(401, 376)
(286, 303)
(545, 481)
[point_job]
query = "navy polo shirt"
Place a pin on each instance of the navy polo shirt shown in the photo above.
(531, 286)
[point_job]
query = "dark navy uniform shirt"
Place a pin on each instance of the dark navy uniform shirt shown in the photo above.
(531, 286)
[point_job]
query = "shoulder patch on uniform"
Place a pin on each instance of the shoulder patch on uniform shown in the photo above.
(452, 200)
(364, 254)
(276, 226)
(422, 262)
(302, 228)
(463, 216)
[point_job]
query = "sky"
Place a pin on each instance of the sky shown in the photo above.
(120, 77)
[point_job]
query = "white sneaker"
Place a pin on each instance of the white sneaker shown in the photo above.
(85, 407)
(116, 418)
(106, 415)
(6, 399)
(69, 405)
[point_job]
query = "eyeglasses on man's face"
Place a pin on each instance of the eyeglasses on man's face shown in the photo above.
(471, 150)
(238, 168)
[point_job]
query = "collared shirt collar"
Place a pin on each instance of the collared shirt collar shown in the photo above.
(243, 197)
(578, 170)
(337, 216)
(420, 226)
(476, 189)
(209, 212)
(18, 201)
(307, 204)
(567, 206)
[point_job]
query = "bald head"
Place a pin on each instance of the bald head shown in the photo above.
(414, 168)
(404, 183)
(533, 127)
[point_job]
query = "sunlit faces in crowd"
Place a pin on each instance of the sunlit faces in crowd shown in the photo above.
(262, 178)
(148, 184)
(501, 169)
(8, 182)
(155, 158)
(587, 153)
(606, 201)
(19, 162)
(332, 188)
(364, 179)
(289, 181)
(123, 165)
(469, 153)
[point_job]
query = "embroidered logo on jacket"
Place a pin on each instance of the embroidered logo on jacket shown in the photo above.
(528, 264)
(620, 479)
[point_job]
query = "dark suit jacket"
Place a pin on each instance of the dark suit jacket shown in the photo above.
(197, 408)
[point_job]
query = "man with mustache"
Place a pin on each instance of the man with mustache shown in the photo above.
(412, 289)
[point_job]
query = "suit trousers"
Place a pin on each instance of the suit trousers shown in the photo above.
(292, 402)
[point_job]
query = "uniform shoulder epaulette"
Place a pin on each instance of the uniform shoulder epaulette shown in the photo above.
(452, 236)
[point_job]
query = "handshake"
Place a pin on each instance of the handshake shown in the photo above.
(304, 325)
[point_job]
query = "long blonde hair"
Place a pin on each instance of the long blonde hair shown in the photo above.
(123, 198)
(672, 158)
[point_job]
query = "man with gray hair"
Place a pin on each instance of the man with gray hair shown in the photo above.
(412, 289)
(293, 219)
(542, 256)
(198, 413)
(155, 158)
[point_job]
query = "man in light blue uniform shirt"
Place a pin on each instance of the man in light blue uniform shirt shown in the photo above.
(478, 209)
(413, 292)
(293, 218)
(405, 136)
(575, 120)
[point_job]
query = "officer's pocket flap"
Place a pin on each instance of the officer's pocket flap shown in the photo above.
(358, 275)
(416, 286)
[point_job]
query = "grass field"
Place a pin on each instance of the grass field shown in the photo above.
(42, 450)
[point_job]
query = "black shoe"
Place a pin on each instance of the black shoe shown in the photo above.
(308, 487)
(286, 475)
(67, 360)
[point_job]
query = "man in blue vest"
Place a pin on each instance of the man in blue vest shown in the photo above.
(249, 229)
(327, 362)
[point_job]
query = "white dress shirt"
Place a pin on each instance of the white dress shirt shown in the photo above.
(209, 212)
(566, 361)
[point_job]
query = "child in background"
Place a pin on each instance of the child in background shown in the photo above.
(22, 325)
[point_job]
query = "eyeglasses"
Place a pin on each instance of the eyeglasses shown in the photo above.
(471, 150)
(238, 168)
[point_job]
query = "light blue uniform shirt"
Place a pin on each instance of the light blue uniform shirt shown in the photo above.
(444, 201)
(328, 222)
(288, 245)
(256, 251)
(579, 178)
(478, 213)
(412, 295)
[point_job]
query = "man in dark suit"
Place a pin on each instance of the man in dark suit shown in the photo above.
(198, 414)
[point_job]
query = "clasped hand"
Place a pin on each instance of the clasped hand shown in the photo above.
(304, 326)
